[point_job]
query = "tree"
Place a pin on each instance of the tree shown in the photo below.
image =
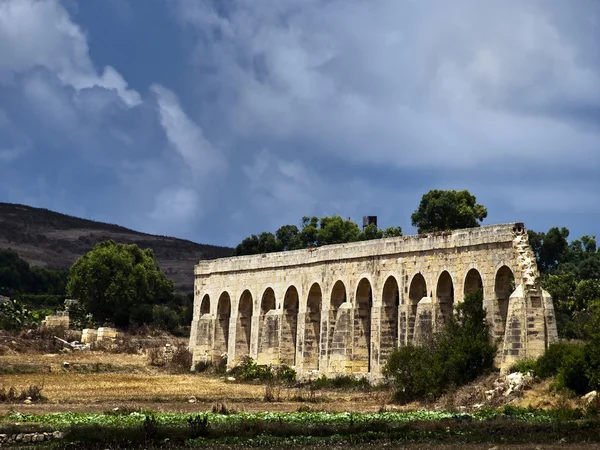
(289, 236)
(447, 210)
(335, 230)
(314, 232)
(554, 248)
(17, 277)
(112, 279)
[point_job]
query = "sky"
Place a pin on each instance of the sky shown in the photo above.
(211, 120)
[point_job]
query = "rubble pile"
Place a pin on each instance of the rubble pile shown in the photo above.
(510, 385)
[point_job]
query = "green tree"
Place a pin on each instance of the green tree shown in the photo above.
(310, 229)
(289, 236)
(113, 278)
(17, 277)
(335, 230)
(554, 249)
(392, 232)
(371, 232)
(447, 210)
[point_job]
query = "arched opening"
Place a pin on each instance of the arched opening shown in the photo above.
(268, 329)
(473, 282)
(267, 302)
(388, 339)
(312, 328)
(504, 286)
(417, 291)
(204, 331)
(340, 327)
(243, 326)
(445, 296)
(361, 354)
(289, 326)
(222, 328)
(205, 305)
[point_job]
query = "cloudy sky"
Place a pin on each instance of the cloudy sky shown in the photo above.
(214, 119)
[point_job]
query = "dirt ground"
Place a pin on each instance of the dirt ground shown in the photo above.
(97, 381)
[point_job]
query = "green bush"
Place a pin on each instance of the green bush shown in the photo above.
(286, 374)
(456, 355)
(250, 371)
(524, 366)
(572, 373)
(341, 382)
(549, 364)
(575, 366)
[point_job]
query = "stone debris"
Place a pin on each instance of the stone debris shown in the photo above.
(590, 397)
(30, 437)
(513, 383)
(75, 345)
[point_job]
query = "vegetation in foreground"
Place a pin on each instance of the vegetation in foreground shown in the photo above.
(455, 356)
(138, 428)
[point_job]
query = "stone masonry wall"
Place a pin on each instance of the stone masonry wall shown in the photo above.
(347, 306)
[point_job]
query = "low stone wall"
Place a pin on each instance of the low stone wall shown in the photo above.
(26, 438)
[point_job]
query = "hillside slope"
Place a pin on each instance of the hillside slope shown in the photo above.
(52, 240)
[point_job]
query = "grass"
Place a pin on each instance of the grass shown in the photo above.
(315, 429)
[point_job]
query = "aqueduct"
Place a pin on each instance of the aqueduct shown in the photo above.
(341, 309)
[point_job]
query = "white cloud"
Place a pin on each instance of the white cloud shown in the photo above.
(175, 207)
(186, 137)
(40, 33)
(442, 84)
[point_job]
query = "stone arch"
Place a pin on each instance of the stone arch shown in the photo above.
(289, 326)
(390, 303)
(312, 328)
(504, 285)
(340, 328)
(244, 326)
(204, 331)
(420, 309)
(268, 328)
(473, 282)
(445, 295)
(361, 354)
(205, 305)
(221, 341)
(267, 302)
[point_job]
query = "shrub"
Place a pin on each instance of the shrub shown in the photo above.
(286, 374)
(341, 382)
(33, 392)
(248, 370)
(550, 362)
(181, 360)
(150, 427)
(453, 357)
(198, 426)
(156, 357)
(222, 408)
(524, 366)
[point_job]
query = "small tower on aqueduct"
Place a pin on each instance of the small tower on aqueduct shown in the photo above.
(341, 309)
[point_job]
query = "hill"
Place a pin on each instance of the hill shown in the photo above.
(53, 240)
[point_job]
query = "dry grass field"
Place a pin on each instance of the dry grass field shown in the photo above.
(98, 381)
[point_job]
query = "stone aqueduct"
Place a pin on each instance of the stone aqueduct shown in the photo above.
(341, 309)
